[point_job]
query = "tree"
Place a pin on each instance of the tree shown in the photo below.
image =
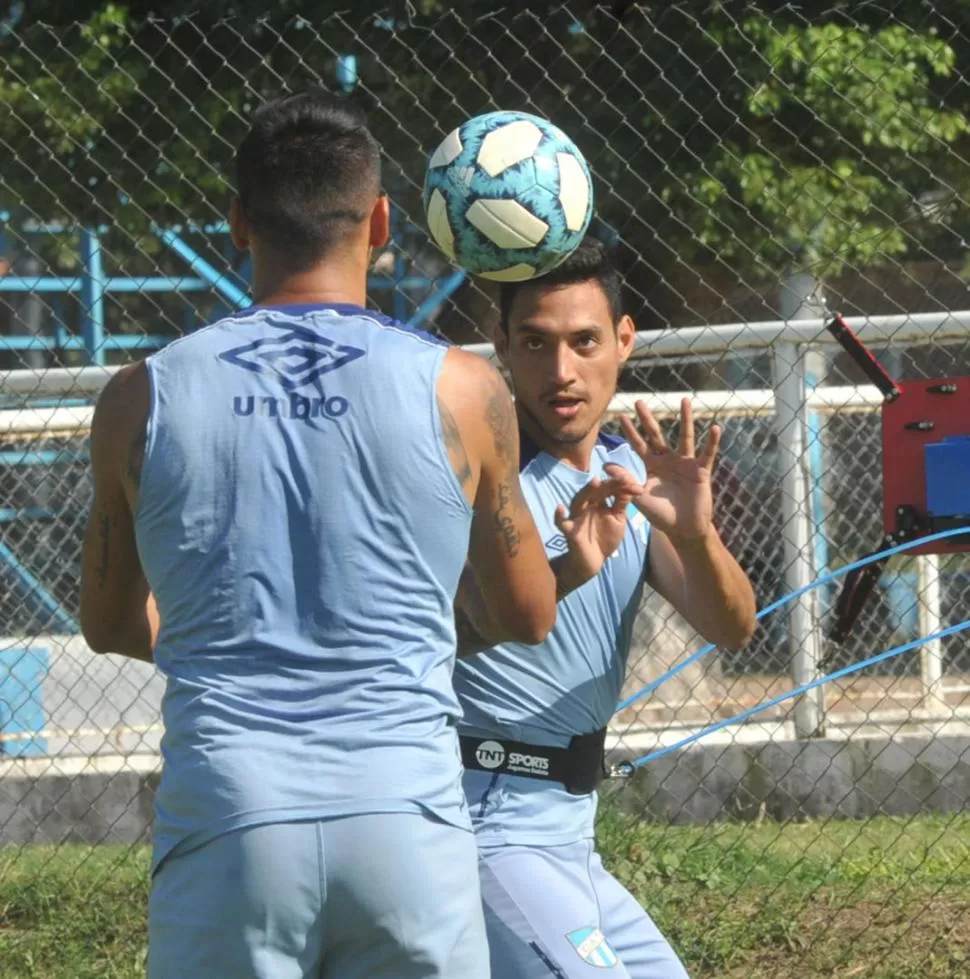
(736, 132)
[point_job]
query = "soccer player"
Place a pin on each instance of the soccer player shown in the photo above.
(284, 503)
(534, 725)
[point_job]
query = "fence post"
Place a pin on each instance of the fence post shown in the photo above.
(789, 370)
(92, 296)
(930, 621)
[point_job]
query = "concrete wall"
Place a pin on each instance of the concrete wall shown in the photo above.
(82, 695)
(803, 780)
(109, 799)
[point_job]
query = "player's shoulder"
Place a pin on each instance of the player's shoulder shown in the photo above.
(478, 397)
(472, 363)
(474, 373)
(393, 326)
(123, 401)
(125, 388)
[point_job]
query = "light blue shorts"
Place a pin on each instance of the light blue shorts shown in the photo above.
(555, 913)
(383, 896)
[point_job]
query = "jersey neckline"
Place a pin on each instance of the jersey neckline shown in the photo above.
(299, 309)
(528, 450)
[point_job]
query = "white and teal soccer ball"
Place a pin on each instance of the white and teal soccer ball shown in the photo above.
(508, 196)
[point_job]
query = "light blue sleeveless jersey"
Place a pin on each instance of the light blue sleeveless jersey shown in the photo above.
(567, 685)
(303, 533)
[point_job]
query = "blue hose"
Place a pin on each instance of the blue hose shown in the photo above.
(837, 674)
(825, 579)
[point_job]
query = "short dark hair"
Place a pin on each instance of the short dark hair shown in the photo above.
(307, 173)
(589, 263)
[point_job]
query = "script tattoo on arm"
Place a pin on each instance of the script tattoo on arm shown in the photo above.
(504, 521)
(500, 416)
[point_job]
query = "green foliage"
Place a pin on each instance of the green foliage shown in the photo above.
(749, 133)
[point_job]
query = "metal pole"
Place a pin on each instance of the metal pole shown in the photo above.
(92, 297)
(930, 621)
(789, 371)
(221, 283)
(815, 367)
(695, 341)
(437, 298)
(35, 594)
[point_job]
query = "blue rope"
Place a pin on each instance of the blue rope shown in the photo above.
(825, 579)
(837, 674)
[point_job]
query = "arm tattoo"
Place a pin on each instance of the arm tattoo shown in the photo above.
(454, 444)
(104, 538)
(504, 521)
(500, 416)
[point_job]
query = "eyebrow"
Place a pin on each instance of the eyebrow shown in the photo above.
(540, 331)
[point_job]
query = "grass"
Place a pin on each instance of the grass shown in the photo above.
(883, 899)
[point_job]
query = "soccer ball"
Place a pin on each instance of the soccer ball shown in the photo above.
(508, 196)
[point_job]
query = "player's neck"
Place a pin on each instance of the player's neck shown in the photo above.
(327, 283)
(578, 455)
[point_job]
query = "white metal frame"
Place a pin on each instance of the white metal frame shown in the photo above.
(788, 339)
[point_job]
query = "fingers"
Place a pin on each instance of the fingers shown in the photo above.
(686, 428)
(651, 429)
(709, 449)
(583, 499)
(589, 495)
(623, 482)
(622, 496)
(613, 494)
(621, 501)
(597, 493)
(633, 436)
(563, 523)
(653, 442)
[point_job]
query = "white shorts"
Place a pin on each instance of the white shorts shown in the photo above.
(555, 913)
(382, 896)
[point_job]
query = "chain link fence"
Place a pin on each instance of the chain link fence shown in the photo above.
(753, 162)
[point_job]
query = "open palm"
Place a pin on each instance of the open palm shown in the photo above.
(676, 497)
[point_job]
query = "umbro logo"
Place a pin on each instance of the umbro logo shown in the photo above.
(559, 544)
(297, 357)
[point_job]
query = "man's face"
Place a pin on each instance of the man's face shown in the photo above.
(564, 354)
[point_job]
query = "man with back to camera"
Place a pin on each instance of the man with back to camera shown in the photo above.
(283, 506)
(534, 726)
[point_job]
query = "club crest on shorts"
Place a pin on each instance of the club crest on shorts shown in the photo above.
(593, 948)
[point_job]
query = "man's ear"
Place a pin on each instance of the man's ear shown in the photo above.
(380, 223)
(238, 226)
(626, 334)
